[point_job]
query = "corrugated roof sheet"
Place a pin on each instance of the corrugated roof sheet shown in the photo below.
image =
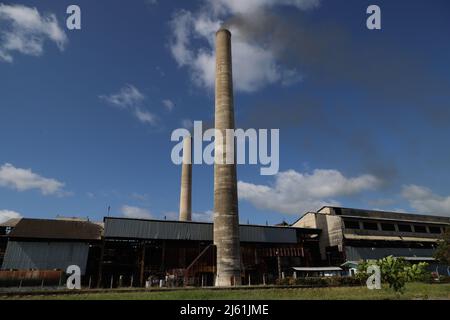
(352, 236)
(175, 230)
(154, 229)
(45, 255)
(390, 215)
(419, 258)
(56, 229)
(317, 269)
(10, 223)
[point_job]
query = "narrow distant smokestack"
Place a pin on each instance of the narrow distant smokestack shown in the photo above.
(186, 181)
(226, 219)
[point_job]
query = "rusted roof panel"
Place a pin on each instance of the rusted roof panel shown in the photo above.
(56, 229)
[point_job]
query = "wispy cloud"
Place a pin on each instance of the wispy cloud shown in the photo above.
(425, 201)
(6, 215)
(139, 196)
(294, 192)
(136, 212)
(145, 116)
(25, 179)
(130, 98)
(168, 104)
(187, 124)
(127, 97)
(25, 30)
(205, 216)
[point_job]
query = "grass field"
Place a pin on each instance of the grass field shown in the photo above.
(413, 291)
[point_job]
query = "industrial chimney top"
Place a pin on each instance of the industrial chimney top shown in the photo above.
(222, 29)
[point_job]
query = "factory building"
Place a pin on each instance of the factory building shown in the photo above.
(45, 246)
(136, 252)
(350, 235)
(125, 252)
(183, 252)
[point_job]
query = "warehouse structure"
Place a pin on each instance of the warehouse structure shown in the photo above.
(351, 235)
(183, 252)
(137, 252)
(52, 245)
(124, 252)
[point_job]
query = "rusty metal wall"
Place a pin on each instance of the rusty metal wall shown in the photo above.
(31, 275)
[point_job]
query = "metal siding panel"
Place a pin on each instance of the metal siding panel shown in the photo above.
(269, 235)
(361, 253)
(45, 255)
(141, 229)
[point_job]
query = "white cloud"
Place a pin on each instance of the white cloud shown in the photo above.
(25, 30)
(295, 192)
(206, 216)
(25, 179)
(130, 98)
(254, 66)
(136, 212)
(145, 116)
(127, 97)
(6, 215)
(425, 201)
(249, 6)
(168, 104)
(187, 124)
(139, 196)
(170, 215)
(383, 202)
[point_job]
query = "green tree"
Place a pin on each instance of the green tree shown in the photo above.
(442, 252)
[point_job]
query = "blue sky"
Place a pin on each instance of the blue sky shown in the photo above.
(364, 116)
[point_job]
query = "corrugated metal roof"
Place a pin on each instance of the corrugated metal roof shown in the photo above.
(352, 236)
(45, 255)
(56, 229)
(389, 215)
(10, 223)
(317, 269)
(176, 230)
(419, 258)
(393, 219)
(155, 229)
(421, 239)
